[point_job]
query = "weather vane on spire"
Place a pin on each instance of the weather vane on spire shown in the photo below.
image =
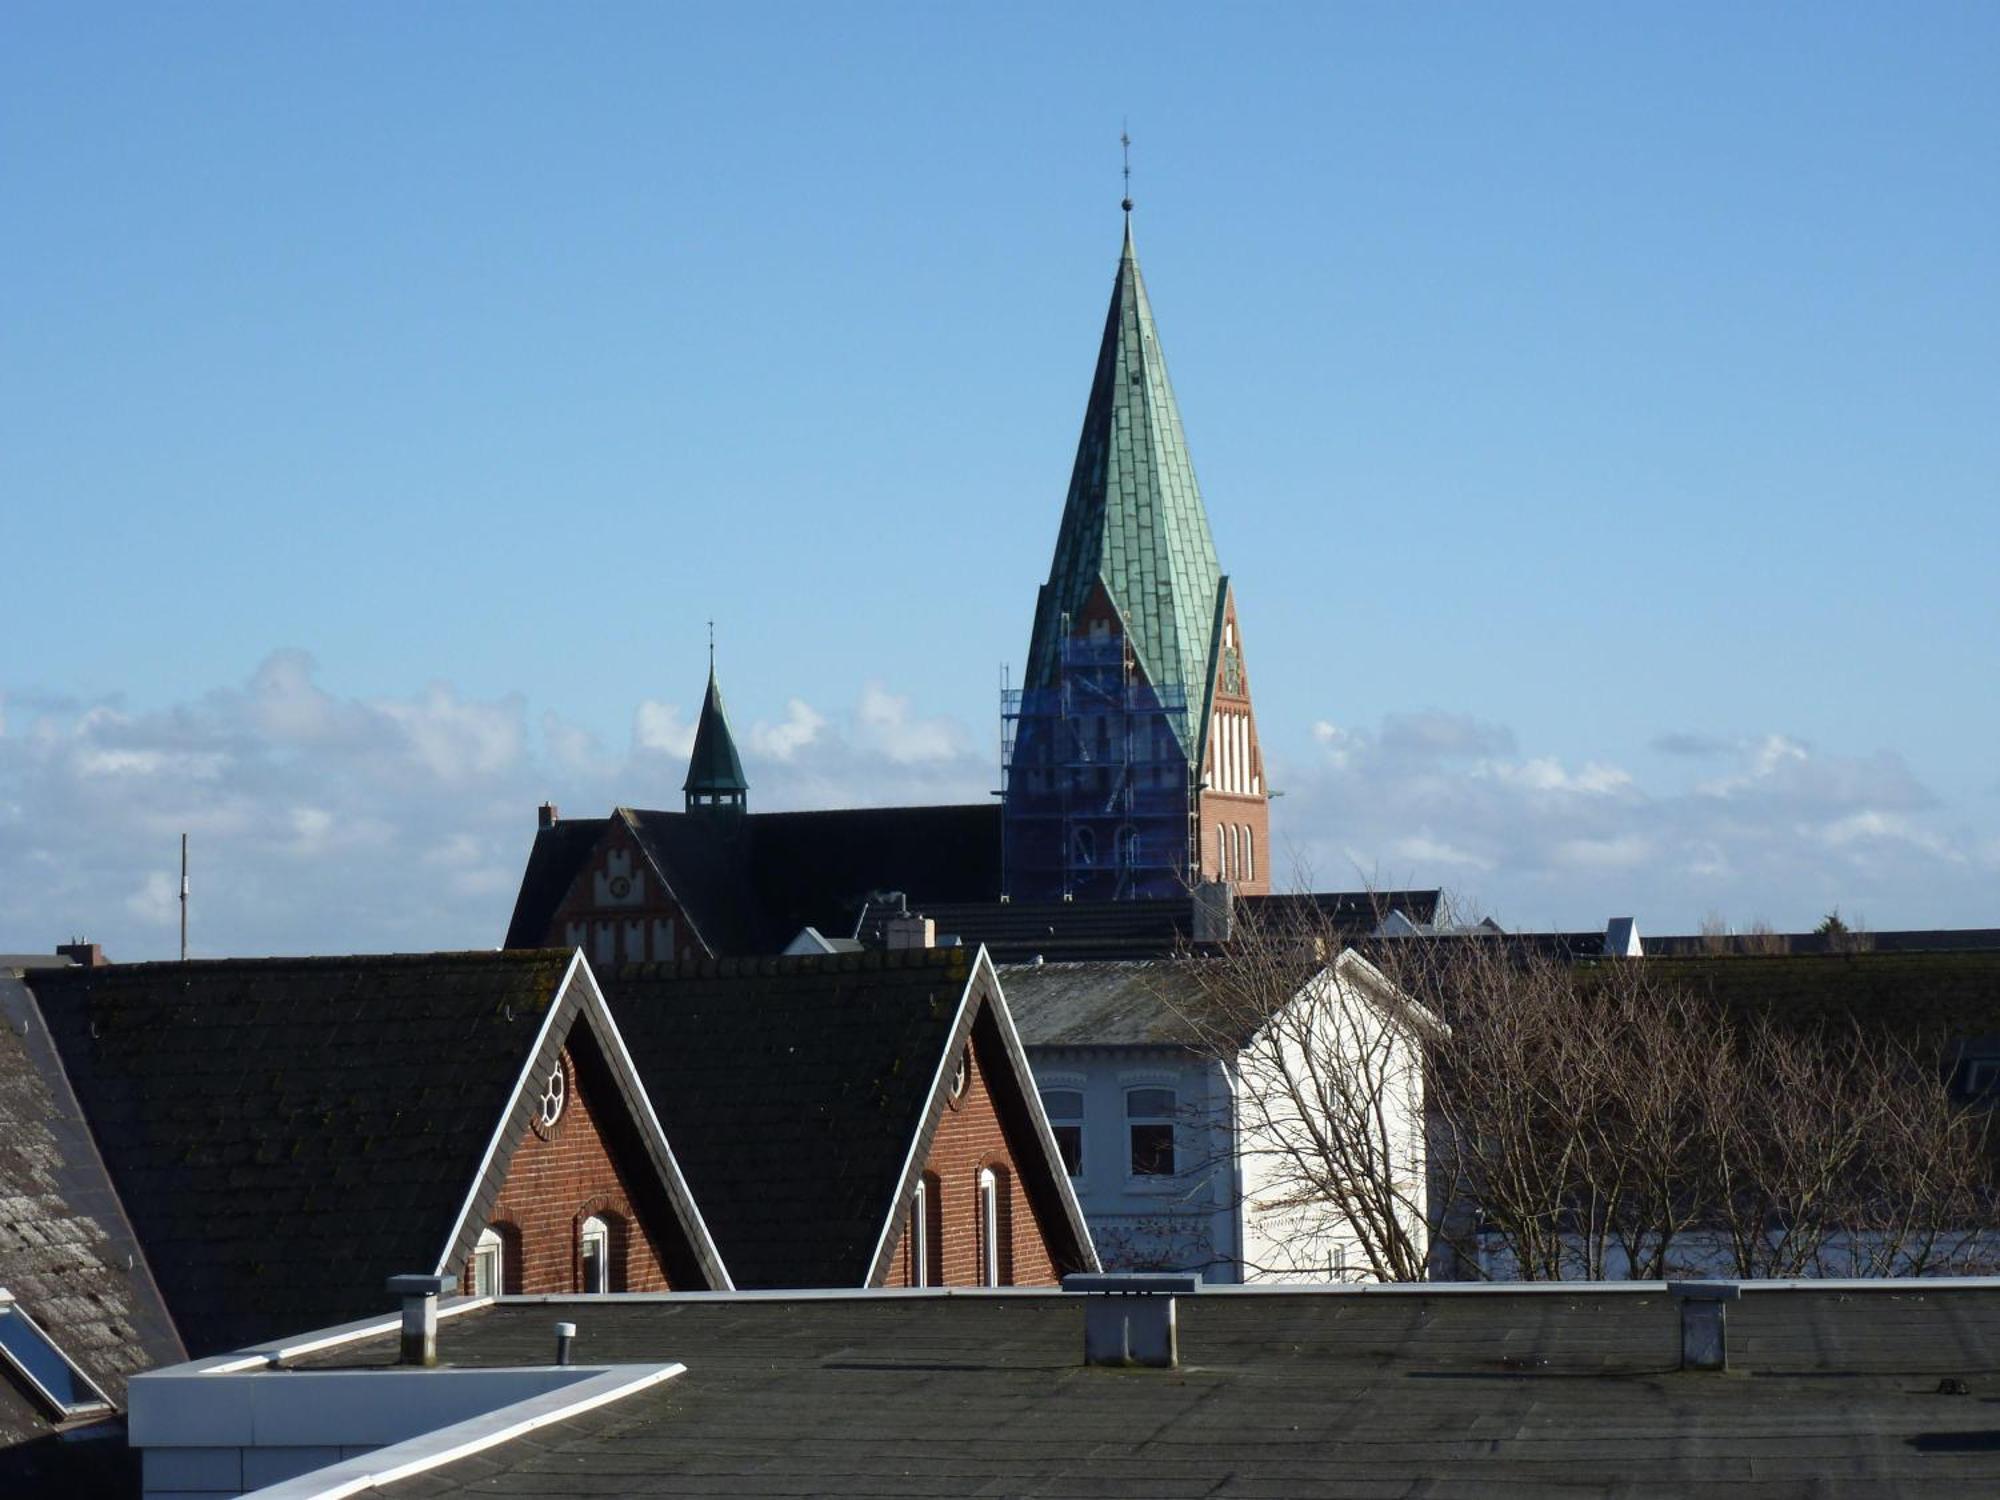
(1125, 145)
(711, 648)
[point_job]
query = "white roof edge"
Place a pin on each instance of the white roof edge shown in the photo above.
(945, 1055)
(1011, 1038)
(707, 1246)
(445, 1445)
(506, 1115)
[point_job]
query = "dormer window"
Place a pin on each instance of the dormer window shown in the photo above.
(594, 1255)
(489, 1264)
(51, 1374)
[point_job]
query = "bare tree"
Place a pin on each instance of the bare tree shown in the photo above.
(1489, 1106)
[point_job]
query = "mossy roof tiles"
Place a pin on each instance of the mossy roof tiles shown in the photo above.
(286, 1133)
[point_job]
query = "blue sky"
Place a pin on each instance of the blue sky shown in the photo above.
(1596, 412)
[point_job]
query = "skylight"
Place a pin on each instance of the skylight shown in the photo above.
(52, 1374)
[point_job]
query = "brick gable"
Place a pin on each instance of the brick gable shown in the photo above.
(971, 1135)
(559, 1177)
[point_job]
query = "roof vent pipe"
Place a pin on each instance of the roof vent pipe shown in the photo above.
(1704, 1321)
(1130, 1319)
(565, 1338)
(420, 1314)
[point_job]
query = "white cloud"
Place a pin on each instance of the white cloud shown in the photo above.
(659, 726)
(884, 722)
(327, 824)
(156, 902)
(1771, 826)
(784, 740)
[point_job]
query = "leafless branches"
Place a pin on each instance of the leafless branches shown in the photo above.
(1470, 1105)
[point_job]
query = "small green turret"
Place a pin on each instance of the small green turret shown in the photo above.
(715, 772)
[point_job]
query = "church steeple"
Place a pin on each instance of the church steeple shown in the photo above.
(1133, 520)
(715, 771)
(1132, 766)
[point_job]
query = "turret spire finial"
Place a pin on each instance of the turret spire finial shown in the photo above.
(1125, 145)
(711, 648)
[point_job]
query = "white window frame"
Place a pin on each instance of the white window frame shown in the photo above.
(1075, 1121)
(989, 1228)
(920, 1235)
(1150, 1120)
(490, 1249)
(594, 1231)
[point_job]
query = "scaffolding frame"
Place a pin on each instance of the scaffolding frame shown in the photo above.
(1098, 792)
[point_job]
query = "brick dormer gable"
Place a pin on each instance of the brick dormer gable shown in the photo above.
(804, 1096)
(285, 1134)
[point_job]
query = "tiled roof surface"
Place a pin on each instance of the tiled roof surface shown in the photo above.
(1956, 993)
(1148, 1003)
(554, 859)
(1917, 940)
(286, 1133)
(67, 1257)
(1081, 931)
(1133, 516)
(1467, 1396)
(750, 883)
(792, 1090)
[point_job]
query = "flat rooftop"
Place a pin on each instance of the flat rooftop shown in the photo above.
(1834, 1390)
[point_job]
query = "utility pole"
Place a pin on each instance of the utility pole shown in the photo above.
(184, 898)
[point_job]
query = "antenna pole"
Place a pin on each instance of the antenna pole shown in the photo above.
(184, 898)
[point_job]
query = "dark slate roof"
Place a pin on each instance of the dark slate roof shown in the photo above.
(1316, 1395)
(1085, 931)
(798, 1093)
(1953, 993)
(1149, 1003)
(714, 767)
(68, 1258)
(748, 884)
(554, 859)
(285, 1134)
(1922, 940)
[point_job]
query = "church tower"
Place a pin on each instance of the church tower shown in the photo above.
(715, 781)
(1131, 762)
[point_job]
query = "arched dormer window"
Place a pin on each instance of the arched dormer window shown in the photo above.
(989, 1228)
(593, 1255)
(489, 1264)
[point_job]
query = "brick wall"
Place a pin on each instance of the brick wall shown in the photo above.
(617, 911)
(554, 1182)
(969, 1137)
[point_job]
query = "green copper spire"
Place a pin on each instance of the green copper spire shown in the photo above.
(1134, 518)
(715, 772)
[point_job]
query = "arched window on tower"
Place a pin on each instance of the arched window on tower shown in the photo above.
(1221, 853)
(1249, 854)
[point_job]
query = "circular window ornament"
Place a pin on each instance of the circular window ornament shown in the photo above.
(555, 1095)
(961, 1079)
(621, 887)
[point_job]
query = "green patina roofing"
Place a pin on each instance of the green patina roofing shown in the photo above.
(715, 768)
(1134, 517)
